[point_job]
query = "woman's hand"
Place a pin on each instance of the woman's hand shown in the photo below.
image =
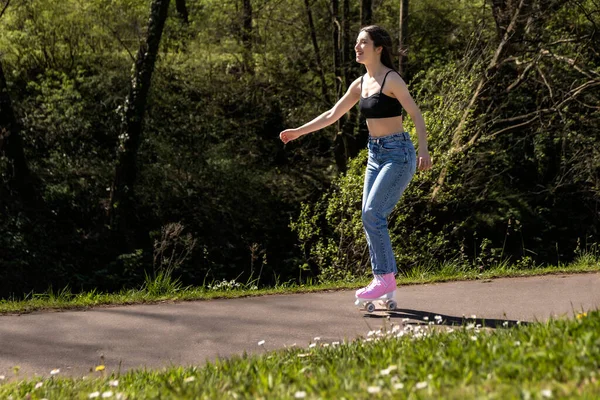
(424, 161)
(289, 135)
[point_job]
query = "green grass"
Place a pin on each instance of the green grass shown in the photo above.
(161, 288)
(555, 359)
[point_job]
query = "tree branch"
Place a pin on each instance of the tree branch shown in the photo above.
(571, 62)
(570, 40)
(484, 79)
(539, 70)
(570, 97)
(493, 64)
(534, 115)
(4, 8)
(523, 75)
(492, 135)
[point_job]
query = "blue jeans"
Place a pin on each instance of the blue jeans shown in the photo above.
(391, 165)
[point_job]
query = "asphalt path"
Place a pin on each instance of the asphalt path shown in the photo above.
(191, 333)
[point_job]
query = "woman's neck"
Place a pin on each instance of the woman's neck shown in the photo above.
(375, 69)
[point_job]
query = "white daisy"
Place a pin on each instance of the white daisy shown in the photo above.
(421, 385)
(373, 389)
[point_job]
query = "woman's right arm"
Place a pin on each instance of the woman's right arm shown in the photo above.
(328, 117)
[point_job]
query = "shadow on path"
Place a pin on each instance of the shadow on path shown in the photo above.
(446, 319)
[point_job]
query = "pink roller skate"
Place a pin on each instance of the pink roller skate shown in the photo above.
(382, 289)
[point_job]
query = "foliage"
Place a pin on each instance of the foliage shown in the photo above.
(514, 172)
(525, 185)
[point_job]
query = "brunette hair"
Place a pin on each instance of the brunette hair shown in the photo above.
(380, 37)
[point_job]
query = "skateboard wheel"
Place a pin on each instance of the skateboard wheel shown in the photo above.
(370, 307)
(391, 305)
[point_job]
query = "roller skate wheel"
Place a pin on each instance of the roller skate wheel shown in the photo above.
(370, 307)
(391, 305)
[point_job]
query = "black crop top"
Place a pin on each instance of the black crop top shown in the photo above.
(379, 105)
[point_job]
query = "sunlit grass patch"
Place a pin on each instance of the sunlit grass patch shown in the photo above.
(554, 359)
(161, 287)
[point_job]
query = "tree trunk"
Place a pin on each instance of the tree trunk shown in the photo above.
(337, 61)
(366, 12)
(247, 36)
(532, 17)
(347, 50)
(502, 11)
(313, 36)
(349, 121)
(402, 37)
(339, 150)
(366, 18)
(182, 11)
(517, 21)
(122, 192)
(11, 146)
(456, 144)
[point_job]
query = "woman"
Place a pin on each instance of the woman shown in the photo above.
(381, 94)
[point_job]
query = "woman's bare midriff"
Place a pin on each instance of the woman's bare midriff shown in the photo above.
(379, 127)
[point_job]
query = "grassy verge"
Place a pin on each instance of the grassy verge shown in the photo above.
(163, 288)
(555, 359)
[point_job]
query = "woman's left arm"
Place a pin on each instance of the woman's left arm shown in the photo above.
(400, 91)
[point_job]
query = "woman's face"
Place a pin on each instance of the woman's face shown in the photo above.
(365, 49)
